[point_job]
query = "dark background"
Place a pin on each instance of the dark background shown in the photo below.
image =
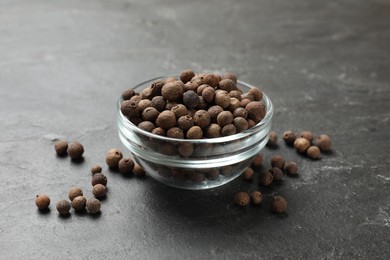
(325, 65)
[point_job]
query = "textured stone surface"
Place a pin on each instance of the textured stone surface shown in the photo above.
(325, 65)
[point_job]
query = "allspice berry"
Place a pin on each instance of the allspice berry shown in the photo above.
(127, 94)
(113, 157)
(272, 138)
(313, 152)
(241, 199)
(166, 119)
(138, 171)
(173, 91)
(63, 207)
(61, 147)
(208, 94)
(324, 143)
(186, 75)
(256, 93)
(214, 112)
(75, 150)
(146, 126)
(301, 145)
(224, 118)
(291, 168)
(248, 174)
(42, 201)
(129, 108)
(143, 104)
(185, 122)
(227, 85)
(258, 161)
(277, 161)
(175, 132)
(93, 205)
(99, 190)
(256, 111)
(74, 192)
(276, 173)
(279, 204)
(289, 137)
(159, 103)
(78, 203)
(202, 118)
(150, 114)
(256, 198)
(179, 110)
(194, 132)
(96, 169)
(307, 135)
(230, 76)
(229, 129)
(266, 178)
(159, 131)
(99, 178)
(126, 166)
(222, 98)
(185, 149)
(240, 112)
(240, 123)
(213, 131)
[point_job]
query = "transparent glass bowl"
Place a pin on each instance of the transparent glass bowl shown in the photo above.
(214, 161)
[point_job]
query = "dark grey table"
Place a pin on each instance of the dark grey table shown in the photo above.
(325, 65)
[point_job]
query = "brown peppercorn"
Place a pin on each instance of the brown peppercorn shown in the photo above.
(234, 103)
(301, 145)
(276, 173)
(96, 169)
(150, 114)
(99, 190)
(185, 149)
(256, 198)
(179, 110)
(138, 171)
(222, 98)
(247, 96)
(289, 137)
(194, 132)
(324, 143)
(78, 203)
(99, 178)
(157, 87)
(229, 129)
(313, 152)
(185, 122)
(208, 94)
(136, 98)
(129, 108)
(127, 94)
(212, 80)
(213, 131)
(166, 119)
(214, 112)
(235, 94)
(256, 111)
(240, 112)
(146, 126)
(63, 207)
(277, 161)
(279, 204)
(248, 174)
(172, 91)
(126, 166)
(258, 161)
(241, 199)
(224, 118)
(42, 201)
(202, 104)
(186, 75)
(256, 93)
(159, 131)
(75, 150)
(191, 99)
(272, 139)
(251, 123)
(159, 103)
(266, 178)
(213, 174)
(167, 149)
(147, 93)
(61, 147)
(202, 118)
(74, 192)
(175, 132)
(170, 105)
(200, 89)
(191, 86)
(291, 168)
(169, 79)
(240, 123)
(244, 102)
(227, 85)
(230, 76)
(113, 156)
(135, 120)
(143, 104)
(307, 135)
(196, 177)
(226, 170)
(93, 205)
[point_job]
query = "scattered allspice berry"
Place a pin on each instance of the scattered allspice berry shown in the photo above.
(248, 174)
(99, 178)
(307, 135)
(256, 198)
(266, 178)
(279, 204)
(75, 150)
(301, 145)
(276, 173)
(96, 169)
(241, 199)
(99, 190)
(258, 161)
(324, 143)
(273, 138)
(78, 203)
(63, 207)
(126, 166)
(113, 157)
(74, 192)
(277, 161)
(291, 168)
(313, 152)
(42, 201)
(93, 205)
(138, 171)
(61, 147)
(289, 137)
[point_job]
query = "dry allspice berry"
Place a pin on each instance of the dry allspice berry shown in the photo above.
(324, 143)
(93, 205)
(301, 145)
(61, 147)
(78, 203)
(273, 138)
(99, 190)
(248, 174)
(74, 192)
(241, 199)
(307, 135)
(277, 161)
(313, 152)
(256, 198)
(138, 171)
(276, 173)
(42, 201)
(75, 150)
(96, 169)
(126, 166)
(266, 178)
(291, 168)
(113, 157)
(289, 137)
(279, 204)
(99, 178)
(63, 207)
(258, 161)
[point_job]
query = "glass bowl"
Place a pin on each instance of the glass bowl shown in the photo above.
(213, 162)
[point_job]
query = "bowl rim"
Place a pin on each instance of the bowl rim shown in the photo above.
(265, 121)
